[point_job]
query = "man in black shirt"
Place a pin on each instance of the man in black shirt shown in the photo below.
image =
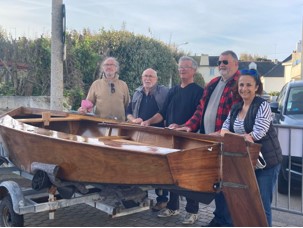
(180, 104)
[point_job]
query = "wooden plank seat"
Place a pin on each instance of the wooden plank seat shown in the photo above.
(52, 119)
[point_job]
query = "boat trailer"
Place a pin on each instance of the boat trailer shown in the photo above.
(17, 200)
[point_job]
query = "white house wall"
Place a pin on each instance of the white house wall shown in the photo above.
(273, 84)
(205, 71)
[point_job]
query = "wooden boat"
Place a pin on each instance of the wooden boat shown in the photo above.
(87, 149)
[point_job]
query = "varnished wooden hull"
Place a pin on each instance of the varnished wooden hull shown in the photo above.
(87, 149)
(92, 150)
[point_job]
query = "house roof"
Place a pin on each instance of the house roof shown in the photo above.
(197, 58)
(263, 67)
(276, 71)
(287, 59)
(213, 60)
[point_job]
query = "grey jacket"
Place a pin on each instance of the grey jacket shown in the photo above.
(158, 91)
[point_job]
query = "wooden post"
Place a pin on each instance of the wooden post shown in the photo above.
(46, 118)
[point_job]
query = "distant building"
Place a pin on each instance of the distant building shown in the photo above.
(207, 66)
(293, 65)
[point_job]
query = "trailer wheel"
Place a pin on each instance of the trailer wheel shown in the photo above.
(7, 215)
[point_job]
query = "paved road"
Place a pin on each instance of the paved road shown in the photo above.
(86, 216)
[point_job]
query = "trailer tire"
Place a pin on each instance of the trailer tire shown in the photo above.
(7, 215)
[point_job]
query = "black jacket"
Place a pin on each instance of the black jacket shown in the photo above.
(270, 149)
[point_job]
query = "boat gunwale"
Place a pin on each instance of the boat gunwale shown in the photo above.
(92, 141)
(75, 116)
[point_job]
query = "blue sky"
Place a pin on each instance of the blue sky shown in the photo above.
(269, 28)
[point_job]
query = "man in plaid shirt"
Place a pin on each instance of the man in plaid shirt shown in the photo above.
(218, 97)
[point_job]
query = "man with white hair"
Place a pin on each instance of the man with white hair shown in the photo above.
(108, 96)
(147, 100)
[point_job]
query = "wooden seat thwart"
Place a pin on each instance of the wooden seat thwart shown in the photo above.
(50, 119)
(113, 137)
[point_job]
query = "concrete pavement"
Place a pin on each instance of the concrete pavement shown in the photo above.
(86, 216)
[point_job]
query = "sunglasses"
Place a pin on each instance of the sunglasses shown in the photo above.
(112, 87)
(225, 62)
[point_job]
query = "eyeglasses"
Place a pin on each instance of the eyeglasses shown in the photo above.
(109, 65)
(148, 76)
(225, 62)
(184, 67)
(112, 87)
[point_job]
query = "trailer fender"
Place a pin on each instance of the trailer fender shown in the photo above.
(14, 190)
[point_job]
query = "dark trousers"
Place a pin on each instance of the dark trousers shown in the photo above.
(162, 195)
(192, 206)
(221, 212)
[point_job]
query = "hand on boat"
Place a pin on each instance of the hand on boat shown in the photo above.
(187, 129)
(222, 132)
(173, 126)
(137, 121)
(145, 123)
(248, 137)
(217, 133)
(82, 110)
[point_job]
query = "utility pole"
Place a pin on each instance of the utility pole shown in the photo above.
(56, 98)
(302, 52)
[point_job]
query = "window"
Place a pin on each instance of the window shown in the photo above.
(295, 101)
(212, 71)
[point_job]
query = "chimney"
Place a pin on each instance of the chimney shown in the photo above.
(299, 46)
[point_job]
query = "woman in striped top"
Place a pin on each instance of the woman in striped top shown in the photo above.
(252, 118)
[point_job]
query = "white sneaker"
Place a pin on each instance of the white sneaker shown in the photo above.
(165, 212)
(190, 218)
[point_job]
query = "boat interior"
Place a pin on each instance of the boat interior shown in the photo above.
(85, 128)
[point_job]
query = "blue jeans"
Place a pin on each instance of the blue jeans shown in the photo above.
(267, 179)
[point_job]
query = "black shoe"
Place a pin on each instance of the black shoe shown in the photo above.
(159, 206)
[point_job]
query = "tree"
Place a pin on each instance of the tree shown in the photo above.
(198, 78)
(84, 52)
(135, 53)
(249, 57)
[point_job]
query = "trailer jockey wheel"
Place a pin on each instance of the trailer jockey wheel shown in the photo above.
(40, 180)
(7, 215)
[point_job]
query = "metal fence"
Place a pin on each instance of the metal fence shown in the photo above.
(291, 140)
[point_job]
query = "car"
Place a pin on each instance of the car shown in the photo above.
(265, 95)
(288, 110)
